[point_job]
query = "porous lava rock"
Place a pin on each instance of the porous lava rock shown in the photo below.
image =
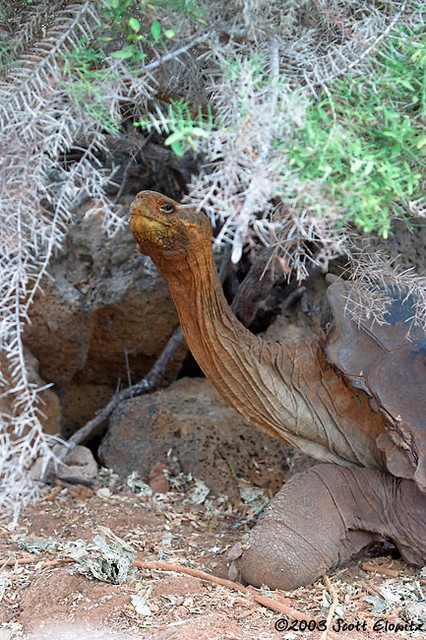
(189, 423)
(103, 315)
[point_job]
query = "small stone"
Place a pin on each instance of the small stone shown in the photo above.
(103, 493)
(159, 484)
(80, 492)
(79, 464)
(157, 480)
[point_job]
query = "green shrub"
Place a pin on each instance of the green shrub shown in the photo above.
(183, 127)
(366, 141)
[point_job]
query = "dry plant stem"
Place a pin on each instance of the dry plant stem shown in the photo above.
(334, 603)
(172, 54)
(280, 606)
(255, 288)
(275, 605)
(376, 568)
(52, 495)
(148, 383)
(35, 560)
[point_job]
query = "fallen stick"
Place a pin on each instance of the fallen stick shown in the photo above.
(275, 605)
(334, 603)
(279, 606)
(35, 560)
(372, 567)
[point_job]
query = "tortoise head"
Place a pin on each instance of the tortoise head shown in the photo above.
(166, 230)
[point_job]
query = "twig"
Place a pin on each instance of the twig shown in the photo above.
(148, 383)
(172, 54)
(280, 606)
(132, 160)
(52, 494)
(373, 567)
(275, 605)
(35, 560)
(334, 603)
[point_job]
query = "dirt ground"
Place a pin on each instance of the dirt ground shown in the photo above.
(45, 594)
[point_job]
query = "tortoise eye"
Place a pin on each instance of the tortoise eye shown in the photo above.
(167, 208)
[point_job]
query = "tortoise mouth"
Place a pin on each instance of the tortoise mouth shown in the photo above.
(151, 233)
(143, 222)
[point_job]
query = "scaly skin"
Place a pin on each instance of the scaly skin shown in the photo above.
(322, 517)
(287, 390)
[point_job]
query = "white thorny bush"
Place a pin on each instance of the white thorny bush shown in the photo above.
(257, 63)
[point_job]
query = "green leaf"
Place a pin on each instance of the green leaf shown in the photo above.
(396, 150)
(139, 56)
(177, 148)
(177, 136)
(155, 29)
(124, 54)
(134, 24)
(143, 122)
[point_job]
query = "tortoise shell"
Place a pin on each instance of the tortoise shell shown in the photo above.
(387, 361)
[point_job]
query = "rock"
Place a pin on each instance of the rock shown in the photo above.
(104, 315)
(80, 403)
(157, 480)
(79, 464)
(190, 422)
(49, 407)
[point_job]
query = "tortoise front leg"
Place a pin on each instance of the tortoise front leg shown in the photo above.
(322, 517)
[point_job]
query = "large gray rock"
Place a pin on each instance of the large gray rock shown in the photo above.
(189, 421)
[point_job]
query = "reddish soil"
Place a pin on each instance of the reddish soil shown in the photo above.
(42, 597)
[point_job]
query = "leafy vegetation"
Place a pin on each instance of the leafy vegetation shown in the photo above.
(366, 142)
(183, 127)
(84, 77)
(233, 84)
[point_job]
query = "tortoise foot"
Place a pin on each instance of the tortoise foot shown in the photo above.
(321, 518)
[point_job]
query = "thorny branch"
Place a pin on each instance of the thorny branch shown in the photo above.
(236, 70)
(173, 54)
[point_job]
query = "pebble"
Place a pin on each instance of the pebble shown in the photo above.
(104, 493)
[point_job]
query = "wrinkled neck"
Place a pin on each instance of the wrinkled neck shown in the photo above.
(288, 389)
(231, 357)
